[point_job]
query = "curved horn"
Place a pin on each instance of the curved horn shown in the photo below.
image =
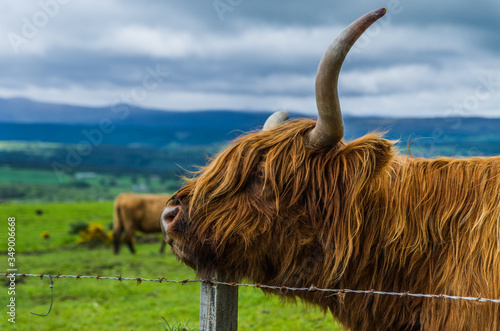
(329, 128)
(275, 119)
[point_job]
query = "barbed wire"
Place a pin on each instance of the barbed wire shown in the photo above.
(281, 289)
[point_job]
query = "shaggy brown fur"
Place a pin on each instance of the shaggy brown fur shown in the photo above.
(358, 215)
(137, 212)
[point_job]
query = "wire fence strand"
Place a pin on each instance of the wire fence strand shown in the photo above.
(281, 289)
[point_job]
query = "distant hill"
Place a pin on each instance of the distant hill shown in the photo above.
(26, 120)
(20, 110)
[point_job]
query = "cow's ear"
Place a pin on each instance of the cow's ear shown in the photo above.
(369, 156)
(384, 153)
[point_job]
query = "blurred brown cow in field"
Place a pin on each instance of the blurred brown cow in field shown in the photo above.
(295, 205)
(137, 212)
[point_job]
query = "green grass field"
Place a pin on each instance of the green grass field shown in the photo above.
(88, 304)
(37, 185)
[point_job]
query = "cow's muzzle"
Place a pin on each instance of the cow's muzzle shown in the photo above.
(167, 218)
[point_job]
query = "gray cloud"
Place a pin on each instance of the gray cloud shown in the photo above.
(424, 58)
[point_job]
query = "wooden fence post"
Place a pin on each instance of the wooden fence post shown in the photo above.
(218, 306)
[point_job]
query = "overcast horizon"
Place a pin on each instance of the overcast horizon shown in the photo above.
(423, 59)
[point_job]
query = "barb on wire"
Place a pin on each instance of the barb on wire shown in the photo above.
(281, 289)
(51, 296)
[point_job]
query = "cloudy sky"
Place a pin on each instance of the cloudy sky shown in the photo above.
(425, 58)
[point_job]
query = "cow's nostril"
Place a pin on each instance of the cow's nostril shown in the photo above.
(169, 214)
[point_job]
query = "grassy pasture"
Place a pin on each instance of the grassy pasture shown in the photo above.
(88, 304)
(42, 185)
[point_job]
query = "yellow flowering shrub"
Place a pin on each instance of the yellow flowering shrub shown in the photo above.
(94, 234)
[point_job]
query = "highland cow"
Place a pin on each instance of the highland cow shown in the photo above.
(296, 205)
(136, 212)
